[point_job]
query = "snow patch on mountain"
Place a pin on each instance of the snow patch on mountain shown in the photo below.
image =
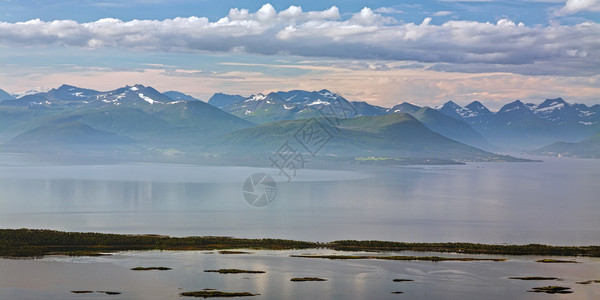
(553, 106)
(318, 102)
(257, 97)
(512, 108)
(148, 99)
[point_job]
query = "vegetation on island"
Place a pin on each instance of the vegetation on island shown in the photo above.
(552, 290)
(150, 268)
(556, 261)
(109, 292)
(466, 248)
(300, 279)
(87, 253)
(407, 258)
(534, 278)
(588, 282)
(234, 271)
(233, 252)
(37, 243)
(101, 292)
(216, 294)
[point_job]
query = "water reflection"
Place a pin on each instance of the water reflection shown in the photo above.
(55, 277)
(552, 202)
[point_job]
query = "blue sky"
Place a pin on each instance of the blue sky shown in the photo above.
(530, 12)
(384, 52)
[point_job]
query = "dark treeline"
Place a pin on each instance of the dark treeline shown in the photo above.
(468, 248)
(33, 242)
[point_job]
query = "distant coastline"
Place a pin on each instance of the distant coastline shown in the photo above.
(39, 243)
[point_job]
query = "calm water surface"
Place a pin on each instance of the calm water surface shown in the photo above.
(553, 202)
(54, 277)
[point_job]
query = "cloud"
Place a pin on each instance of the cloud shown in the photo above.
(388, 10)
(575, 6)
(454, 45)
(442, 13)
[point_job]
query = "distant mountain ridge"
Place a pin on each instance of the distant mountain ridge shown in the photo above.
(529, 125)
(178, 96)
(71, 96)
(143, 113)
(139, 113)
(5, 96)
(587, 148)
(391, 135)
(290, 105)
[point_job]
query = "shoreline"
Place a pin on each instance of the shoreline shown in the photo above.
(35, 243)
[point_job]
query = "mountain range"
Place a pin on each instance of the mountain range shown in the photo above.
(5, 96)
(139, 117)
(588, 148)
(516, 126)
(137, 112)
(528, 125)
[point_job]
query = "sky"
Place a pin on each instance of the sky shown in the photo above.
(383, 52)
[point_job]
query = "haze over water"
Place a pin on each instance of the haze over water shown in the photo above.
(552, 202)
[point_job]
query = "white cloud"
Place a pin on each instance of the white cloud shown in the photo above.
(388, 10)
(332, 13)
(505, 45)
(266, 13)
(575, 6)
(442, 13)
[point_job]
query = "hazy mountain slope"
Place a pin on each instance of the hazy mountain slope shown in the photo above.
(221, 100)
(68, 136)
(394, 135)
(186, 124)
(200, 119)
(588, 148)
(5, 96)
(139, 112)
(177, 96)
(452, 128)
(365, 109)
(519, 125)
(404, 107)
(18, 119)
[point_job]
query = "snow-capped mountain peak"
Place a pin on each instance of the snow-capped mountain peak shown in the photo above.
(456, 111)
(515, 105)
(328, 94)
(550, 105)
(257, 97)
(478, 108)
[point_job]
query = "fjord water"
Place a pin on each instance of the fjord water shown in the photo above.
(550, 202)
(53, 277)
